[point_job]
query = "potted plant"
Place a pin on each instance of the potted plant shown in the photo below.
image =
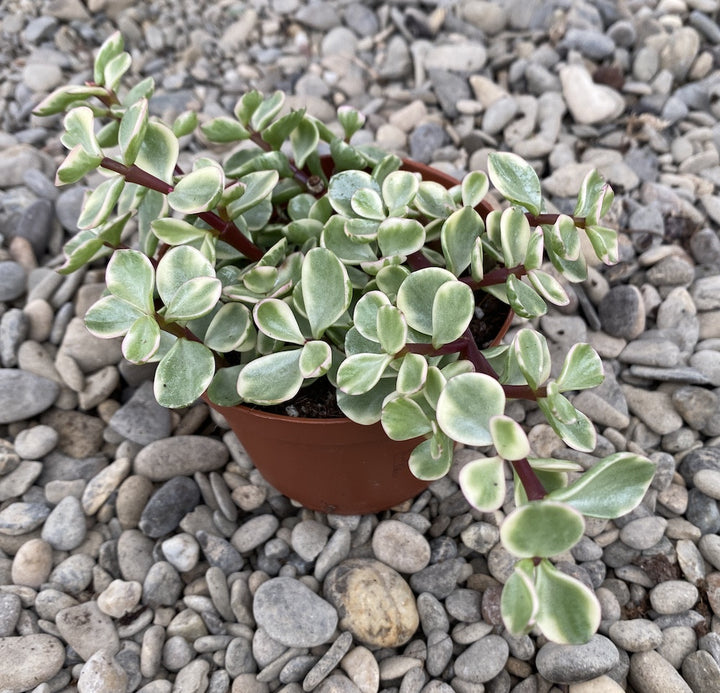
(281, 269)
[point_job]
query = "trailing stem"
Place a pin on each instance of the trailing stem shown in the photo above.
(227, 231)
(532, 485)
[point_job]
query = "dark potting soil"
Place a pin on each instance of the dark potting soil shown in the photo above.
(317, 400)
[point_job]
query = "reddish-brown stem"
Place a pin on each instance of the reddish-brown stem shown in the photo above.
(545, 219)
(227, 231)
(532, 485)
(495, 276)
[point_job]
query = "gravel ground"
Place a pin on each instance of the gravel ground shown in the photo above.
(139, 548)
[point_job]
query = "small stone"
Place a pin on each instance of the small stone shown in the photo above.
(21, 518)
(162, 585)
(142, 419)
(24, 395)
(648, 352)
(103, 484)
(74, 574)
(10, 608)
(375, 604)
(168, 505)
(19, 480)
(281, 606)
(180, 456)
(589, 102)
(695, 404)
(483, 660)
(91, 353)
(328, 661)
(134, 555)
(635, 635)
(439, 579)
(65, 528)
(673, 597)
(119, 598)
(87, 630)
(654, 408)
(309, 539)
(254, 532)
(362, 668)
(35, 442)
(12, 280)
(644, 532)
(182, 551)
(400, 546)
(701, 672)
(102, 673)
(707, 362)
(651, 673)
(622, 312)
(461, 57)
(440, 650)
(32, 563)
(219, 552)
(573, 663)
(29, 660)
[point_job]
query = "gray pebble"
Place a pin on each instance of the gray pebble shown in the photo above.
(673, 597)
(254, 532)
(10, 608)
(328, 661)
(440, 650)
(14, 326)
(309, 539)
(134, 555)
(703, 512)
(29, 660)
(168, 505)
(439, 579)
(73, 574)
(643, 532)
(12, 280)
(571, 663)
(701, 672)
(400, 546)
(635, 635)
(65, 528)
(87, 630)
(622, 313)
(483, 660)
(281, 605)
(19, 480)
(142, 419)
(239, 658)
(35, 442)
(650, 673)
(162, 585)
(180, 456)
(23, 394)
(21, 518)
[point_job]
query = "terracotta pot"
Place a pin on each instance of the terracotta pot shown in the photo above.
(332, 465)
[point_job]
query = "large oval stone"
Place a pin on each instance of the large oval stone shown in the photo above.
(292, 614)
(180, 456)
(374, 602)
(24, 394)
(29, 660)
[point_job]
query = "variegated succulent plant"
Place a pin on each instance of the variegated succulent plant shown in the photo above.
(249, 279)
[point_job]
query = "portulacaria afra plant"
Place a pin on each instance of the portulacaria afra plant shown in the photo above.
(251, 277)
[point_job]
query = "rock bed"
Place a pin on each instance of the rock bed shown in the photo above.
(139, 548)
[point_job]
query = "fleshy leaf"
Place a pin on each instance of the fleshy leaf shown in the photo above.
(366, 409)
(179, 265)
(79, 129)
(612, 487)
(259, 185)
(416, 296)
(224, 129)
(130, 276)
(198, 191)
(564, 238)
(391, 329)
(110, 316)
(269, 107)
(132, 130)
(428, 466)
(516, 180)
(271, 379)
(343, 185)
(176, 231)
(111, 47)
(458, 236)
(276, 319)
(100, 203)
(276, 133)
(568, 612)
(142, 340)
(570, 424)
(326, 289)
(412, 374)
(475, 186)
(523, 299)
(185, 123)
(514, 236)
(304, 139)
(541, 529)
(77, 164)
(366, 314)
(183, 374)
(604, 242)
(194, 298)
(548, 287)
(359, 373)
(399, 189)
(466, 406)
(582, 369)
(519, 602)
(532, 356)
(452, 311)
(115, 69)
(398, 236)
(509, 438)
(482, 482)
(315, 359)
(158, 152)
(367, 203)
(433, 200)
(403, 419)
(594, 199)
(223, 388)
(229, 328)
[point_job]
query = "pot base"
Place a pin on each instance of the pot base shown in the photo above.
(330, 465)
